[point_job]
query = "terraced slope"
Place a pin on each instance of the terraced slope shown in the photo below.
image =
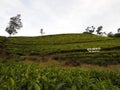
(71, 48)
(58, 43)
(3, 41)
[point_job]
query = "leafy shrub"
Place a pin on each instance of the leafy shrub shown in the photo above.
(17, 76)
(99, 58)
(110, 34)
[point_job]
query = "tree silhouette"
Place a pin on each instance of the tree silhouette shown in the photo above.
(41, 31)
(118, 30)
(99, 30)
(110, 34)
(90, 29)
(14, 24)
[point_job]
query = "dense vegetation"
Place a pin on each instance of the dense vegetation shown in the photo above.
(59, 43)
(2, 40)
(102, 58)
(70, 48)
(18, 76)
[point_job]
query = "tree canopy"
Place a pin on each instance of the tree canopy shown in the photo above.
(14, 24)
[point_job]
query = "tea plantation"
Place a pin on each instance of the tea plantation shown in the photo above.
(71, 48)
(17, 76)
(67, 50)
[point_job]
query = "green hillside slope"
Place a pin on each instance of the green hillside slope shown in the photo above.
(59, 43)
(71, 48)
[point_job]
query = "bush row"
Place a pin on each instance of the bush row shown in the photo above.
(99, 58)
(16, 76)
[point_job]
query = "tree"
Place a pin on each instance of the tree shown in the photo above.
(90, 29)
(14, 24)
(41, 31)
(110, 34)
(117, 35)
(118, 30)
(99, 30)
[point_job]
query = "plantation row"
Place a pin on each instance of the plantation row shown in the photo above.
(59, 43)
(2, 40)
(58, 39)
(102, 58)
(71, 49)
(16, 76)
(46, 49)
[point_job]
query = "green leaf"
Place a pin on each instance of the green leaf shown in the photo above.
(12, 82)
(74, 87)
(37, 87)
(60, 85)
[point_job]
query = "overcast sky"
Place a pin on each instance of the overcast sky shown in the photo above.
(60, 16)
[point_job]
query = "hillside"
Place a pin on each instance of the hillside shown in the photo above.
(58, 43)
(69, 47)
(59, 62)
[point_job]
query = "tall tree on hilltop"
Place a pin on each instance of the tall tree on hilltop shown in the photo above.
(90, 29)
(41, 31)
(99, 30)
(118, 30)
(14, 25)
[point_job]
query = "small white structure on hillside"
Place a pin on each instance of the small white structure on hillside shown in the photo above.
(93, 49)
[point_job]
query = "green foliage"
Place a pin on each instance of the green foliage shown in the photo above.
(2, 44)
(117, 35)
(73, 43)
(100, 58)
(90, 30)
(1, 40)
(58, 43)
(110, 34)
(99, 30)
(16, 76)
